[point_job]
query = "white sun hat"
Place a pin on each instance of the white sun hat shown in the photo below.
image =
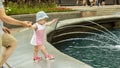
(41, 15)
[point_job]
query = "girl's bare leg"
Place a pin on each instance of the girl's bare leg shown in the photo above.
(42, 48)
(36, 57)
(35, 51)
(47, 56)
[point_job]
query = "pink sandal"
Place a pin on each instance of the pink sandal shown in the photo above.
(49, 57)
(36, 58)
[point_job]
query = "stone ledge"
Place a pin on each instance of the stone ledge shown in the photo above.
(86, 19)
(60, 15)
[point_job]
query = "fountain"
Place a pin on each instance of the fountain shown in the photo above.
(108, 34)
(93, 44)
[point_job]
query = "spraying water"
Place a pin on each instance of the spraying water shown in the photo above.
(106, 30)
(105, 33)
(81, 39)
(100, 35)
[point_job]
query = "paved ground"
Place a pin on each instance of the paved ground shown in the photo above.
(23, 54)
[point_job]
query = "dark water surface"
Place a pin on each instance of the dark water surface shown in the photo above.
(95, 50)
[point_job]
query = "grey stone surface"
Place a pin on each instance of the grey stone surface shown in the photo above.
(22, 56)
(86, 19)
(60, 15)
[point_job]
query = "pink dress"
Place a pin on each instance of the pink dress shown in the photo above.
(38, 35)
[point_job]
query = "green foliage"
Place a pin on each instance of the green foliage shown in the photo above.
(15, 8)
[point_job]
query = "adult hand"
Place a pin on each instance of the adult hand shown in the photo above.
(6, 30)
(27, 23)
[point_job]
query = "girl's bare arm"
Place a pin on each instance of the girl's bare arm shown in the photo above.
(51, 22)
(34, 27)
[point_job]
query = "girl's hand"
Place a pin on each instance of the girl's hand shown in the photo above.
(51, 22)
(55, 20)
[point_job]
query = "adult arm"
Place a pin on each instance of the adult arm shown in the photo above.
(10, 20)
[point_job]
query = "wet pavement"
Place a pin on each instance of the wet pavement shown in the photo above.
(23, 54)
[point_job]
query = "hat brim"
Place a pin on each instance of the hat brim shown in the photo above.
(42, 18)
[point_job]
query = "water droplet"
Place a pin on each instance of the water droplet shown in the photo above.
(73, 42)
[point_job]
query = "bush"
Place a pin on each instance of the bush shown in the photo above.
(14, 8)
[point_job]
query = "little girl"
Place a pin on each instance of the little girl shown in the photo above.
(38, 36)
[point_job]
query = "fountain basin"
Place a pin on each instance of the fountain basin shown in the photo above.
(67, 38)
